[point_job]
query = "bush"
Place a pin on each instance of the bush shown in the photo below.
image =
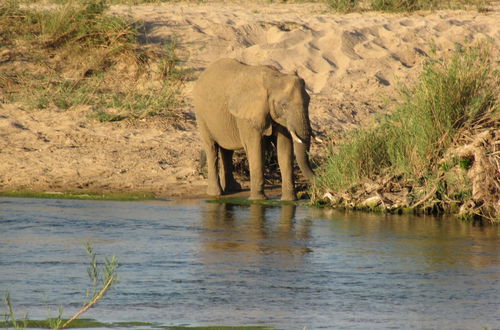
(451, 94)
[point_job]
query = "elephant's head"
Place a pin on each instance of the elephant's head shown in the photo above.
(273, 97)
(288, 106)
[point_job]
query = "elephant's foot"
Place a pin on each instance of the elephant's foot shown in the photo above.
(288, 196)
(257, 196)
(214, 190)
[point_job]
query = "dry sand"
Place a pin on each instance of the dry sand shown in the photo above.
(353, 65)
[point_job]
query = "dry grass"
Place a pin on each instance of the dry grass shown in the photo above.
(406, 5)
(75, 54)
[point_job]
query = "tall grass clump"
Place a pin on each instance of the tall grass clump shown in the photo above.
(451, 94)
(404, 5)
(342, 5)
(75, 54)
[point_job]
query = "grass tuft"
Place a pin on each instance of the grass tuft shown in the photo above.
(342, 5)
(405, 5)
(75, 54)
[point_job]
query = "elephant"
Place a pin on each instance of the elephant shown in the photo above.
(236, 105)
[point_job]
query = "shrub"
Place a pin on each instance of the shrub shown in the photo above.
(451, 94)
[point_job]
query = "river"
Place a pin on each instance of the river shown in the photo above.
(195, 263)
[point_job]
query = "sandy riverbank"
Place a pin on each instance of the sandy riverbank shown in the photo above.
(353, 65)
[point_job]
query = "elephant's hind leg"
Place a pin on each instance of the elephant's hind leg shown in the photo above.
(227, 181)
(212, 152)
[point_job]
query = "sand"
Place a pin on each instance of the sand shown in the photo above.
(353, 65)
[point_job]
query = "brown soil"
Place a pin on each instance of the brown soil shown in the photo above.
(353, 66)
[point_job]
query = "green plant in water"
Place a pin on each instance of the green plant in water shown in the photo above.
(102, 279)
(10, 317)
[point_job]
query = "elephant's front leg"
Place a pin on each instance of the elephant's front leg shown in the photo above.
(252, 142)
(285, 161)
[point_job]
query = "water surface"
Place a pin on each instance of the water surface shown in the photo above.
(197, 263)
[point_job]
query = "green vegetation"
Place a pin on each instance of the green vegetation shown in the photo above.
(79, 195)
(453, 96)
(342, 5)
(40, 324)
(102, 279)
(90, 323)
(404, 5)
(74, 54)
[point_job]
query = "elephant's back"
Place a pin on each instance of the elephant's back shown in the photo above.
(210, 88)
(216, 75)
(210, 100)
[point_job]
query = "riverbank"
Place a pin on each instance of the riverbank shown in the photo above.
(438, 152)
(353, 64)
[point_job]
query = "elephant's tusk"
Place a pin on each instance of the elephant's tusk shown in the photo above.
(295, 137)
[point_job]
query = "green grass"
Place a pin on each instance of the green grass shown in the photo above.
(80, 195)
(405, 5)
(46, 324)
(451, 95)
(340, 5)
(76, 54)
(91, 323)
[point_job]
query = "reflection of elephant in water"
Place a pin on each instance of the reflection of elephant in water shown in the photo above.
(255, 229)
(236, 105)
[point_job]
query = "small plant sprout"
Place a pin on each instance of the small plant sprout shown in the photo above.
(11, 317)
(55, 322)
(102, 276)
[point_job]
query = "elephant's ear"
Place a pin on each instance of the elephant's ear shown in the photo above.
(252, 106)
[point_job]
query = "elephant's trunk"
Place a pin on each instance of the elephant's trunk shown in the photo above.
(300, 150)
(300, 129)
